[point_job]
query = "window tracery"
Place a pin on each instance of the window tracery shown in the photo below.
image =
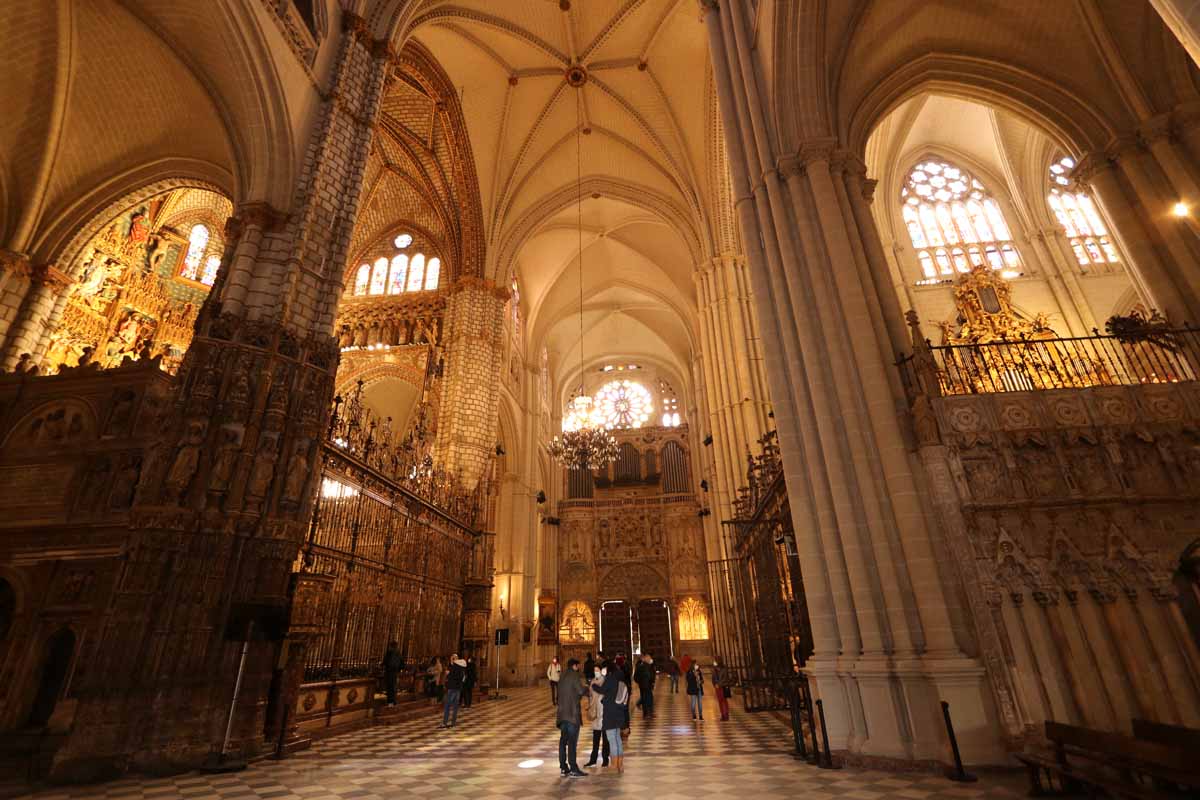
(693, 620)
(1079, 218)
(198, 265)
(624, 404)
(955, 224)
(670, 405)
(404, 272)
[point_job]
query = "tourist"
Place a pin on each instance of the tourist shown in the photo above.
(615, 715)
(644, 676)
(454, 684)
(435, 674)
(685, 664)
(554, 674)
(569, 719)
(673, 674)
(393, 665)
(589, 669)
(469, 681)
(720, 688)
(695, 689)
(596, 716)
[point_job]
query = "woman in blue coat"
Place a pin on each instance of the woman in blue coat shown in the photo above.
(614, 693)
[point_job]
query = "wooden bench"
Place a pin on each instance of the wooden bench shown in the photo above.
(1103, 764)
(1176, 736)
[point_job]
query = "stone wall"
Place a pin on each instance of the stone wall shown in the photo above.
(1067, 513)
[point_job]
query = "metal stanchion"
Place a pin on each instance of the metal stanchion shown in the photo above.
(958, 773)
(796, 698)
(222, 762)
(815, 758)
(826, 761)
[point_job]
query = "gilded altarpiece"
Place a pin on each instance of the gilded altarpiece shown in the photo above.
(634, 542)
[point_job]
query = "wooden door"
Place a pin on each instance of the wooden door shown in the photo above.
(614, 629)
(654, 629)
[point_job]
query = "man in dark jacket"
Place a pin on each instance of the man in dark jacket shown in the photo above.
(469, 681)
(569, 718)
(589, 669)
(454, 684)
(643, 676)
(393, 665)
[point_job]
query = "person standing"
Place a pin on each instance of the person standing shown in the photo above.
(685, 663)
(596, 715)
(615, 718)
(569, 719)
(589, 669)
(393, 665)
(469, 681)
(695, 689)
(673, 674)
(719, 677)
(454, 684)
(643, 676)
(554, 675)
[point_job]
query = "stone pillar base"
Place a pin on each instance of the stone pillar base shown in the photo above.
(887, 708)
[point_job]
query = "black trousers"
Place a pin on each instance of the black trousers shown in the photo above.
(568, 739)
(553, 693)
(599, 738)
(466, 695)
(389, 679)
(647, 702)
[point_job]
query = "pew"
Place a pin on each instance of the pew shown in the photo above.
(1176, 736)
(1106, 764)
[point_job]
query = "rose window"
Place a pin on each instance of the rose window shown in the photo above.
(624, 404)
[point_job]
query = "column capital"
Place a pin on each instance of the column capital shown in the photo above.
(18, 263)
(51, 277)
(1154, 129)
(1091, 165)
(257, 215)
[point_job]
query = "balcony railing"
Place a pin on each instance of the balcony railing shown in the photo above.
(1024, 365)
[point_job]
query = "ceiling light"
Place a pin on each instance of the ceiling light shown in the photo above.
(1181, 209)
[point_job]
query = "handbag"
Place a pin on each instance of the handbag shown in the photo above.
(727, 692)
(624, 733)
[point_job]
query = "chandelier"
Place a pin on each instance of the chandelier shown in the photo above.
(585, 442)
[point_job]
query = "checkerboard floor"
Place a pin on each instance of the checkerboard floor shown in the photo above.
(667, 758)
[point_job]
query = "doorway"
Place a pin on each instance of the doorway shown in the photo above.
(654, 629)
(56, 666)
(616, 628)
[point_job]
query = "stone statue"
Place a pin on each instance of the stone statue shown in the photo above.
(226, 458)
(139, 227)
(183, 468)
(263, 469)
(297, 475)
(156, 252)
(125, 483)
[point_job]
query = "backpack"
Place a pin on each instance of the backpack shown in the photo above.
(622, 694)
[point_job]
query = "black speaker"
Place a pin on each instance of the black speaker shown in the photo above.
(270, 622)
(501, 637)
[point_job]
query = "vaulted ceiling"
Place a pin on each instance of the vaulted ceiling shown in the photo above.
(638, 128)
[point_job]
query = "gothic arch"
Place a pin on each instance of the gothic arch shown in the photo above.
(1066, 118)
(632, 582)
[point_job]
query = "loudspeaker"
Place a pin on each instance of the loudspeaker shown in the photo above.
(501, 637)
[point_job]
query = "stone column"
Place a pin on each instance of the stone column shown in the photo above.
(881, 607)
(225, 494)
(47, 287)
(1183, 18)
(734, 383)
(473, 348)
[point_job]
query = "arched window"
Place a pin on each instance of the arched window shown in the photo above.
(955, 224)
(211, 265)
(398, 275)
(197, 247)
(670, 405)
(405, 272)
(432, 273)
(379, 276)
(1079, 218)
(516, 308)
(416, 273)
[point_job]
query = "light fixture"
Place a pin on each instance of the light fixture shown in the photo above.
(1181, 209)
(585, 442)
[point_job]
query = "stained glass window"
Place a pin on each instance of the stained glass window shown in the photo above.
(416, 273)
(197, 246)
(211, 265)
(955, 224)
(432, 272)
(670, 405)
(624, 404)
(1079, 218)
(379, 276)
(398, 274)
(404, 273)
